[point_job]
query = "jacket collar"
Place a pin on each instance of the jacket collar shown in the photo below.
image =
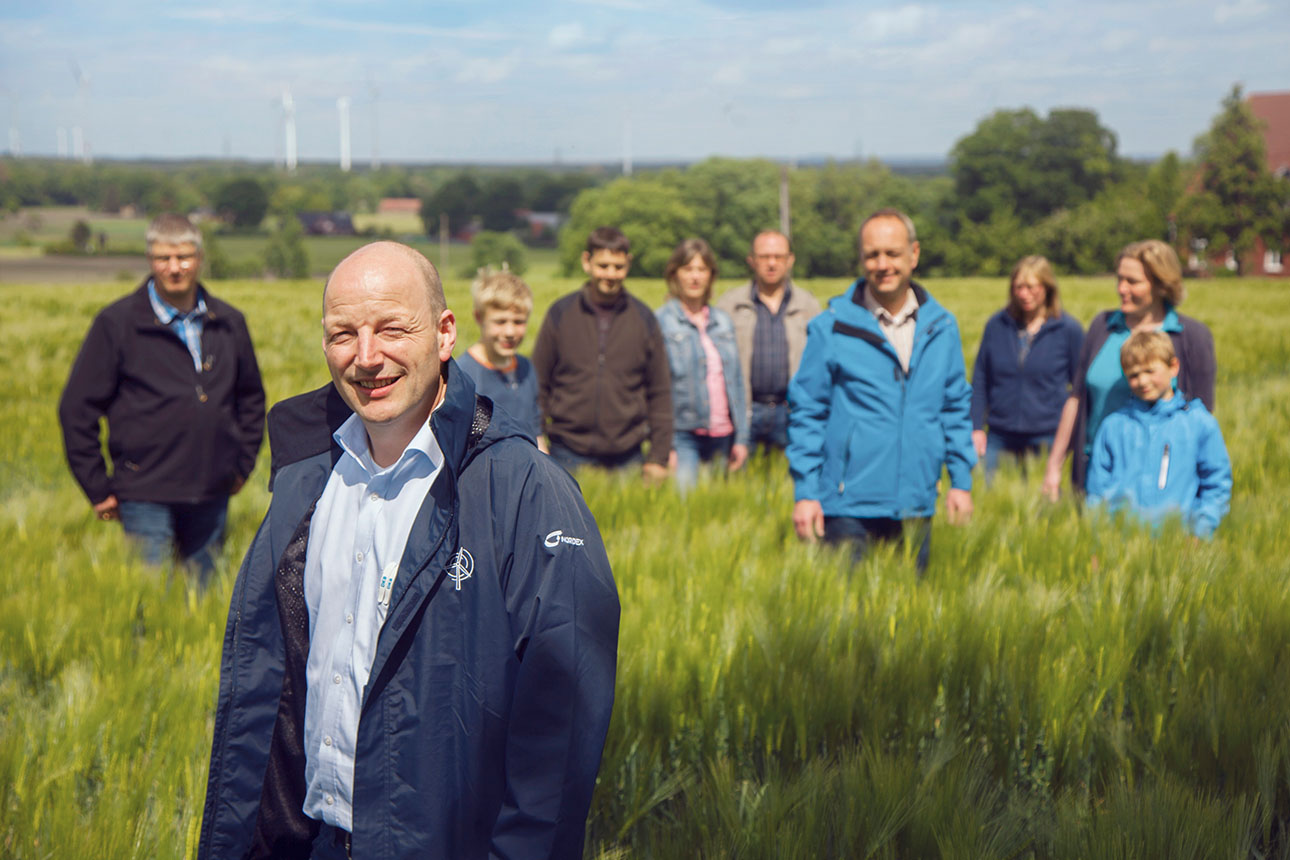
(141, 307)
(1115, 322)
(850, 307)
(858, 288)
(451, 421)
(302, 426)
(1161, 408)
(588, 296)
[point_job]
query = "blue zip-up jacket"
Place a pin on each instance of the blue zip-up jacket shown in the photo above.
(689, 365)
(865, 438)
(1024, 397)
(483, 722)
(1163, 458)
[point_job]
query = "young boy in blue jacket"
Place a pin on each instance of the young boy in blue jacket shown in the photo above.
(1160, 454)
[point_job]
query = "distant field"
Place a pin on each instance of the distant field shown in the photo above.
(400, 224)
(22, 235)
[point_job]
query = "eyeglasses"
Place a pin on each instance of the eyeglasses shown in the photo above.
(780, 257)
(184, 260)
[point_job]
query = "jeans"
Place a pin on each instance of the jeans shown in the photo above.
(693, 449)
(192, 531)
(769, 425)
(571, 460)
(1018, 445)
(859, 532)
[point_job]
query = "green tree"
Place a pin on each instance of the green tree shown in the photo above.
(80, 236)
(286, 255)
(242, 202)
(1016, 163)
(732, 201)
(650, 211)
(458, 198)
(496, 250)
(1086, 239)
(1238, 199)
(497, 202)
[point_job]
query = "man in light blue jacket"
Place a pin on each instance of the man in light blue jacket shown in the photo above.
(880, 404)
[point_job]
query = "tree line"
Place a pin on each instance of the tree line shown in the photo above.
(1019, 183)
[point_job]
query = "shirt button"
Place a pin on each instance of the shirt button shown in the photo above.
(327, 741)
(349, 619)
(375, 497)
(358, 556)
(335, 678)
(330, 800)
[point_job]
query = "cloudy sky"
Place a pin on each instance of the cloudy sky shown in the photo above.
(586, 80)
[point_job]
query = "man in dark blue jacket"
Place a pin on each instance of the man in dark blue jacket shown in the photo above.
(880, 404)
(420, 653)
(173, 371)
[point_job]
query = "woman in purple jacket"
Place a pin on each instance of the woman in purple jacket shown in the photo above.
(1024, 367)
(1149, 283)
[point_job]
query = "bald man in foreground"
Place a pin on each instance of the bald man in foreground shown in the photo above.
(420, 652)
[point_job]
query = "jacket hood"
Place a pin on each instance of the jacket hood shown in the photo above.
(301, 427)
(1160, 409)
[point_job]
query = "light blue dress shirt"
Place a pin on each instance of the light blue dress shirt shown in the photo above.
(186, 326)
(356, 539)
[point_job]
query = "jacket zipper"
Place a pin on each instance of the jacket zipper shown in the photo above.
(1164, 469)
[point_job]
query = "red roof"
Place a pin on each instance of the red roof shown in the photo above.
(1274, 110)
(400, 204)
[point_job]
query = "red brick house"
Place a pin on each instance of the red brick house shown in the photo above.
(1274, 110)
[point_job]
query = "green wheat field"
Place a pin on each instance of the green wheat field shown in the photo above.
(1059, 685)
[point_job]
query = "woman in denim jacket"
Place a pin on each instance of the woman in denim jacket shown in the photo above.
(709, 414)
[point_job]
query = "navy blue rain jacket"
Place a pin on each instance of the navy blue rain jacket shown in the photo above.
(1024, 397)
(865, 438)
(485, 715)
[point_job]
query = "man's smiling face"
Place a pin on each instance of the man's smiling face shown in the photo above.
(381, 338)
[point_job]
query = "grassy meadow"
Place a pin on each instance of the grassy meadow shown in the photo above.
(1059, 685)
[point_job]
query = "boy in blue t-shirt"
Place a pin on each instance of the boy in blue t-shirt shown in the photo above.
(503, 303)
(1160, 454)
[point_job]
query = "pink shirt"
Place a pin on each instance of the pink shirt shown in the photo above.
(719, 423)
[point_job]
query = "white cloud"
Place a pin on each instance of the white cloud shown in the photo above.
(898, 23)
(565, 36)
(486, 70)
(1241, 10)
(730, 74)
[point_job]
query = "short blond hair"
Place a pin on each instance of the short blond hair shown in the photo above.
(1160, 263)
(501, 291)
(1144, 347)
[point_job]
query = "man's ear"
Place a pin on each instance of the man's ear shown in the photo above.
(586, 262)
(447, 334)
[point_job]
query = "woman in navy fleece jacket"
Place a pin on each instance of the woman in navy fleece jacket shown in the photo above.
(1027, 360)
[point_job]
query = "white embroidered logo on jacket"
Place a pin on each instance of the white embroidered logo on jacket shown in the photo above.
(461, 567)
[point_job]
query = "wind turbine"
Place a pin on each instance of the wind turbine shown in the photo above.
(627, 145)
(15, 139)
(289, 129)
(342, 107)
(375, 95)
(80, 147)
